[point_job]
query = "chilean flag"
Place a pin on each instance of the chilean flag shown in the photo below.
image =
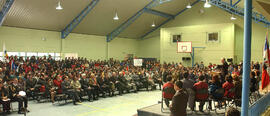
(266, 51)
(5, 52)
(266, 57)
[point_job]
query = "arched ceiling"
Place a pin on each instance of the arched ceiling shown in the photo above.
(41, 14)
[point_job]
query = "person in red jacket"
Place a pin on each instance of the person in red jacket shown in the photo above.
(168, 91)
(228, 87)
(201, 90)
(57, 82)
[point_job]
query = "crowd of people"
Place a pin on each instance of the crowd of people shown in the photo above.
(41, 77)
(45, 77)
(202, 84)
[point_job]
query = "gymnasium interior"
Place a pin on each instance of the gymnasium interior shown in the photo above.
(125, 57)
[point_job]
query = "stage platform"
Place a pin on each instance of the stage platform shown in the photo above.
(155, 110)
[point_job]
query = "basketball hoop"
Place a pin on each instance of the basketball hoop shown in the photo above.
(184, 47)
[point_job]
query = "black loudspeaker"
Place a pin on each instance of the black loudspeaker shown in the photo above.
(229, 60)
(186, 58)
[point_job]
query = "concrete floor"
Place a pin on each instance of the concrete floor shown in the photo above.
(125, 105)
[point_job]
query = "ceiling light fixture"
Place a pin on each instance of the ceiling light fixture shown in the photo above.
(153, 25)
(233, 18)
(116, 17)
(188, 6)
(207, 4)
(59, 7)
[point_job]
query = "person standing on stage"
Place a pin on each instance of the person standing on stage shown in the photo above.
(179, 101)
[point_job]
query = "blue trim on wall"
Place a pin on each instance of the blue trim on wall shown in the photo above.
(73, 24)
(5, 10)
(260, 106)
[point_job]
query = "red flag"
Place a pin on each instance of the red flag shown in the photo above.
(266, 52)
(127, 68)
(265, 78)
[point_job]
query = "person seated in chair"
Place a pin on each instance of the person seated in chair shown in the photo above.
(5, 98)
(130, 82)
(179, 100)
(30, 85)
(50, 89)
(68, 90)
(168, 91)
(123, 82)
(201, 92)
(86, 86)
(104, 88)
(76, 85)
(18, 94)
(149, 76)
(228, 87)
(144, 80)
(111, 82)
(136, 79)
(94, 84)
(157, 79)
(215, 90)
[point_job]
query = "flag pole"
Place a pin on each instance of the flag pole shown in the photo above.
(267, 31)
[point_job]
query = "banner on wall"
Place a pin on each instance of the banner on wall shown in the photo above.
(138, 62)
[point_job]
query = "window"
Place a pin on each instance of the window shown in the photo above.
(42, 54)
(213, 37)
(29, 54)
(57, 56)
(13, 53)
(22, 54)
(176, 38)
(52, 54)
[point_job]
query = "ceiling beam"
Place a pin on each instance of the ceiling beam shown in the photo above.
(159, 13)
(260, 9)
(264, 1)
(5, 10)
(257, 17)
(236, 3)
(157, 27)
(124, 25)
(70, 27)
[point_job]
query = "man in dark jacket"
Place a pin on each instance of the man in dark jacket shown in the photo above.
(179, 101)
(86, 86)
(31, 86)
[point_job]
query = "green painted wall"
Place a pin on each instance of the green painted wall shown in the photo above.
(149, 48)
(212, 52)
(239, 36)
(199, 16)
(89, 46)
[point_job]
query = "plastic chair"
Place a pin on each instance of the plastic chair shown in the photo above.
(202, 91)
(167, 90)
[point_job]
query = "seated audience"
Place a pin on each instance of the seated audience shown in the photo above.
(229, 87)
(216, 91)
(201, 92)
(79, 77)
(168, 91)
